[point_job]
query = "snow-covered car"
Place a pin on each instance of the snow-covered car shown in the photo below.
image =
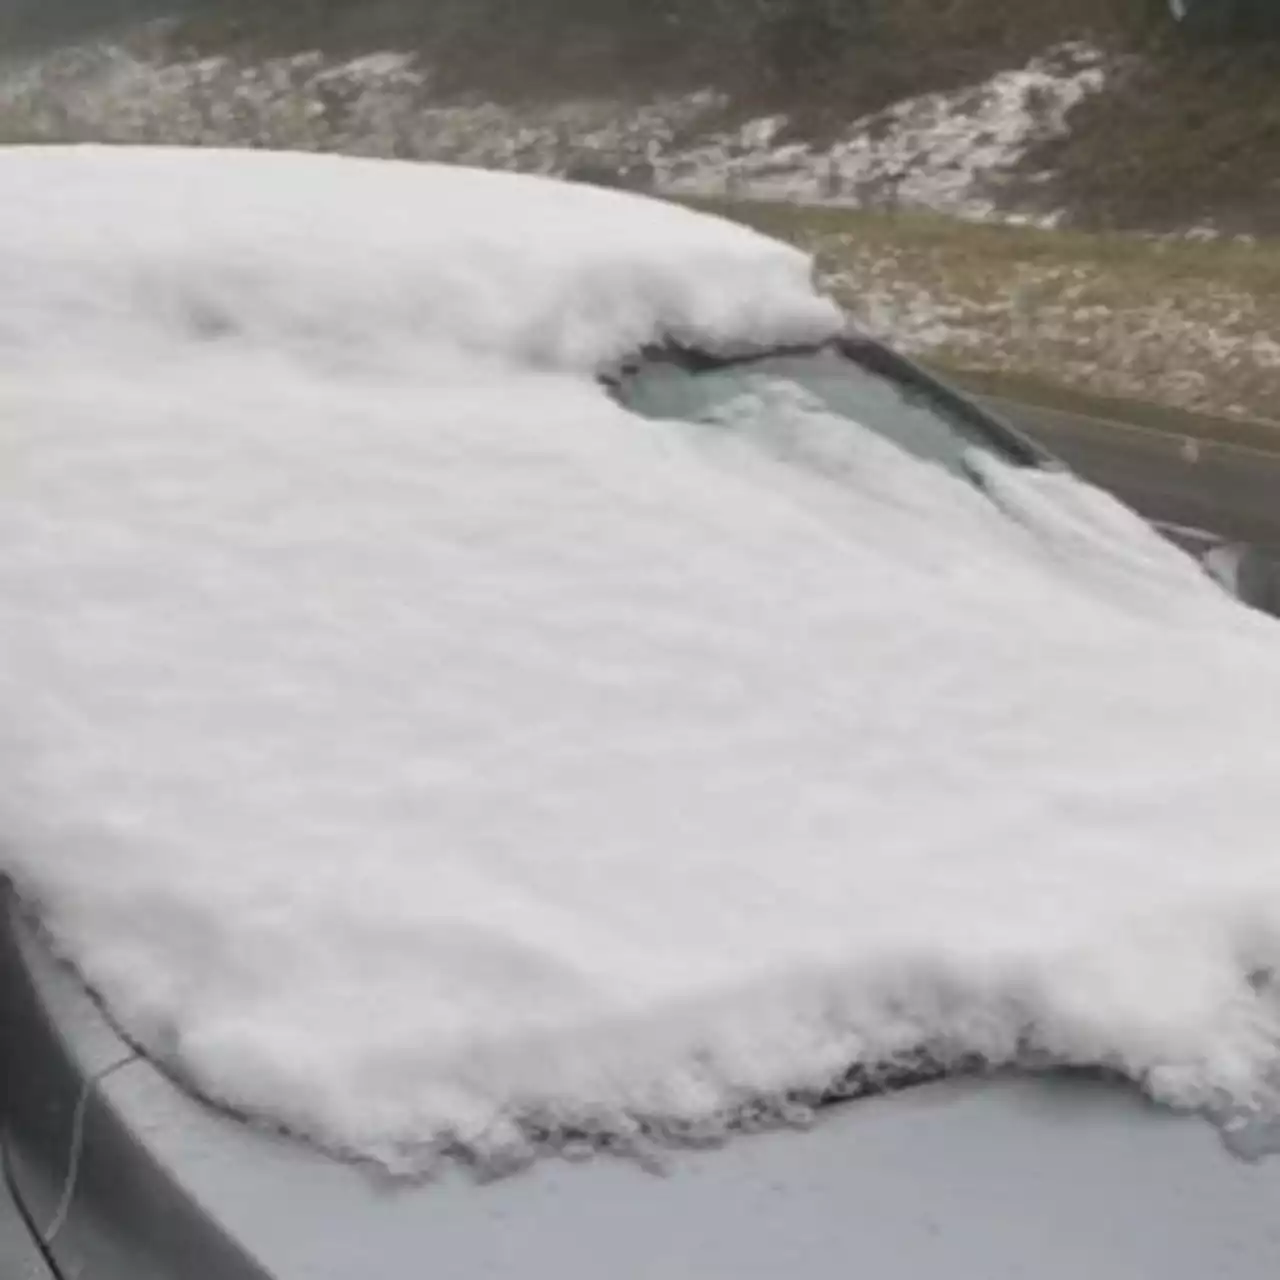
(497, 678)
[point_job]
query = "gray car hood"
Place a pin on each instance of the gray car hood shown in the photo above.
(1050, 1177)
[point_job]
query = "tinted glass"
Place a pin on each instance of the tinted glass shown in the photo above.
(916, 417)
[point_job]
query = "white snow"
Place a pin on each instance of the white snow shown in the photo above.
(120, 248)
(952, 151)
(415, 748)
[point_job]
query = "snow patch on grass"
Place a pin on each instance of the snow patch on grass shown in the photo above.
(948, 152)
(951, 152)
(1192, 327)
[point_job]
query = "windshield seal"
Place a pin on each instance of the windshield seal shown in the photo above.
(874, 358)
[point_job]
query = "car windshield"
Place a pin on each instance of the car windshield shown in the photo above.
(858, 381)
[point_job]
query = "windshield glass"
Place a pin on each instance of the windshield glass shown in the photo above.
(864, 385)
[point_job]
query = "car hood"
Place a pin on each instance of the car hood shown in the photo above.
(1056, 1176)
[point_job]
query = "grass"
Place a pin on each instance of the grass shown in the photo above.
(1026, 389)
(1187, 131)
(815, 58)
(1191, 327)
(1189, 137)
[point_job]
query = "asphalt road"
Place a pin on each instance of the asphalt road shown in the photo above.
(1225, 489)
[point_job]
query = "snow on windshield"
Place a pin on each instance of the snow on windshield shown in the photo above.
(416, 749)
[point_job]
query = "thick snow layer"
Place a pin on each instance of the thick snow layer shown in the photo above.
(413, 747)
(346, 260)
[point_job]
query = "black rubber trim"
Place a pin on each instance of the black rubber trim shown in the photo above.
(1003, 438)
(20, 1208)
(121, 1188)
(866, 353)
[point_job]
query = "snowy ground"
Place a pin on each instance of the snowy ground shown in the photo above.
(1195, 331)
(946, 152)
(415, 748)
(951, 152)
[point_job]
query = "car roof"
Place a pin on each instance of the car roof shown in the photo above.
(328, 254)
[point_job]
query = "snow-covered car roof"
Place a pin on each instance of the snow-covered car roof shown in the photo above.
(418, 750)
(341, 255)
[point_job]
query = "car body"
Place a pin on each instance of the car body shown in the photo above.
(1249, 572)
(120, 1174)
(130, 1178)
(116, 1166)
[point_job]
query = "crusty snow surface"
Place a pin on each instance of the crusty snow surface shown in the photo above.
(415, 749)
